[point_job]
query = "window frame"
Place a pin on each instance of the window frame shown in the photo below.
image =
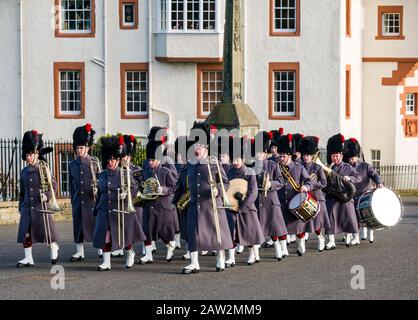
(376, 158)
(68, 66)
(74, 34)
(122, 24)
(284, 66)
(409, 120)
(200, 68)
(274, 32)
(387, 10)
(133, 67)
(348, 18)
(414, 111)
(348, 91)
(168, 18)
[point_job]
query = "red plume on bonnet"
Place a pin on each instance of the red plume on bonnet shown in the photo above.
(289, 137)
(132, 138)
(88, 127)
(281, 130)
(252, 141)
(34, 132)
(270, 134)
(316, 139)
(353, 140)
(163, 139)
(213, 129)
(121, 141)
(342, 138)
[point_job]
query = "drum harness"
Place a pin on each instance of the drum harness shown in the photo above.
(288, 176)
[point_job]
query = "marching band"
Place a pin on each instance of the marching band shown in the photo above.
(217, 197)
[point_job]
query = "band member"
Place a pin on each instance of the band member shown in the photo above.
(158, 213)
(296, 180)
(274, 136)
(244, 224)
(161, 134)
(342, 215)
(117, 225)
(269, 181)
(83, 189)
(297, 140)
(368, 174)
(37, 188)
(308, 149)
(181, 148)
(207, 225)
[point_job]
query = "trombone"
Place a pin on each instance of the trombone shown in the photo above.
(46, 186)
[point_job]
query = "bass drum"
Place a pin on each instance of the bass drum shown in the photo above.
(380, 208)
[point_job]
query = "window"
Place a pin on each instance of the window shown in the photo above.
(376, 159)
(411, 104)
(69, 90)
(209, 88)
(348, 18)
(188, 15)
(75, 18)
(284, 17)
(348, 91)
(390, 23)
(128, 14)
(284, 91)
(134, 90)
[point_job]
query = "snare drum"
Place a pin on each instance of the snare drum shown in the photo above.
(380, 208)
(304, 206)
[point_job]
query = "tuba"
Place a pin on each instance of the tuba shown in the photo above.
(337, 188)
(95, 168)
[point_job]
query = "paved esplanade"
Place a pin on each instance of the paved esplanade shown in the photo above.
(390, 266)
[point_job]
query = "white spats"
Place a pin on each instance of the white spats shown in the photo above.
(371, 236)
(130, 258)
(28, 260)
(54, 252)
(283, 245)
(193, 267)
(301, 246)
(177, 239)
(148, 256)
(331, 244)
(171, 246)
(239, 249)
(231, 258)
(220, 260)
(105, 266)
(321, 243)
(363, 233)
(117, 253)
(251, 257)
(257, 252)
(100, 253)
(79, 255)
(356, 239)
(278, 250)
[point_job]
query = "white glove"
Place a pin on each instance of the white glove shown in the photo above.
(159, 190)
(215, 192)
(268, 185)
(346, 178)
(44, 198)
(304, 189)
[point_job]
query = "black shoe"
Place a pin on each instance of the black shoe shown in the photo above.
(229, 265)
(24, 265)
(267, 245)
(184, 258)
(189, 271)
(169, 260)
(144, 262)
(331, 248)
(347, 245)
(219, 269)
(279, 259)
(54, 261)
(299, 253)
(100, 256)
(363, 238)
(74, 259)
(154, 251)
(213, 253)
(257, 261)
(371, 241)
(116, 255)
(251, 263)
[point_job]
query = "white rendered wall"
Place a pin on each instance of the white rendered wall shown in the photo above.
(9, 69)
(319, 53)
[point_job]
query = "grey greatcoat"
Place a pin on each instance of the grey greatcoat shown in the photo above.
(201, 232)
(244, 225)
(321, 220)
(301, 177)
(107, 219)
(159, 214)
(82, 199)
(137, 173)
(181, 185)
(342, 215)
(269, 209)
(31, 220)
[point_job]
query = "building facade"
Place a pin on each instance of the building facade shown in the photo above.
(315, 67)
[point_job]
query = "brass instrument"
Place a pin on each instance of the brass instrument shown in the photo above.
(214, 204)
(46, 186)
(184, 200)
(149, 192)
(313, 176)
(124, 192)
(226, 202)
(95, 168)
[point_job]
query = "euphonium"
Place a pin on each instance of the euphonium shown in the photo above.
(95, 168)
(46, 184)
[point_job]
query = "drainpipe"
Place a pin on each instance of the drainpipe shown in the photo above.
(21, 67)
(150, 64)
(105, 65)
